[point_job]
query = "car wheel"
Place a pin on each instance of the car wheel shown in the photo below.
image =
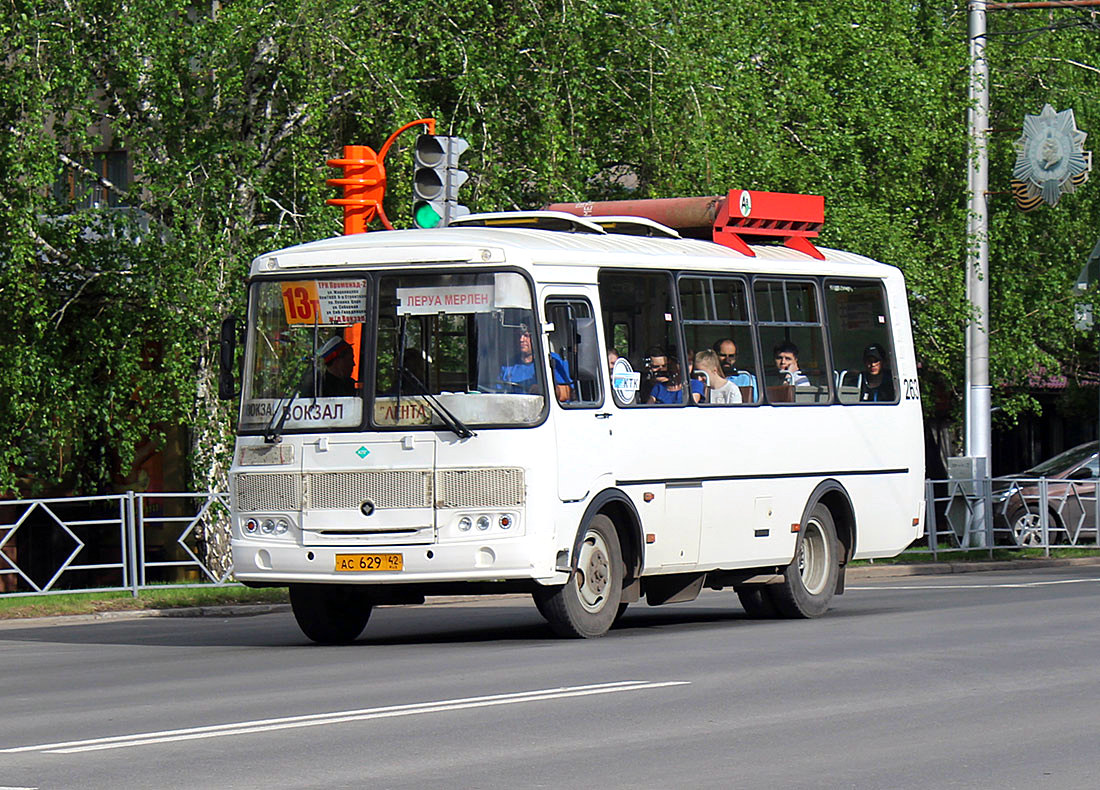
(1027, 529)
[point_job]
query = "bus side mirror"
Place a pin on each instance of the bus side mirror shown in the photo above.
(227, 348)
(588, 352)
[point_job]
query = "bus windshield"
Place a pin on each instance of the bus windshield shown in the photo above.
(303, 362)
(469, 340)
(452, 349)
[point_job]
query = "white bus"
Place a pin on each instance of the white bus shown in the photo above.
(439, 412)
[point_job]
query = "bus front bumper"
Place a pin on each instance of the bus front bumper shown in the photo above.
(268, 562)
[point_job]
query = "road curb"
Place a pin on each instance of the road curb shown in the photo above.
(883, 571)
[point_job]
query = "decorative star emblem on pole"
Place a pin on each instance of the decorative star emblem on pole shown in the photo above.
(1050, 158)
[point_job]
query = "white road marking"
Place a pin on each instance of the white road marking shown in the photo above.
(337, 717)
(1006, 585)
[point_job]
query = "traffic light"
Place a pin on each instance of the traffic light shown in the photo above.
(436, 180)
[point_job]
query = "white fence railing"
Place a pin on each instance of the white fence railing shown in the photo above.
(135, 541)
(113, 542)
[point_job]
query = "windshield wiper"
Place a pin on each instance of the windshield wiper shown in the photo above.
(272, 434)
(452, 422)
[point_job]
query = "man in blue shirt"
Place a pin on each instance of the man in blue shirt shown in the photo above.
(667, 382)
(521, 375)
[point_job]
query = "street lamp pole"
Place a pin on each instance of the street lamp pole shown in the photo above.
(978, 401)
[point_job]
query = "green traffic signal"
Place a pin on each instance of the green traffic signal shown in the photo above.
(426, 217)
(437, 177)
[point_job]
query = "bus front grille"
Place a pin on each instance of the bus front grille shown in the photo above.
(480, 488)
(401, 488)
(397, 488)
(266, 492)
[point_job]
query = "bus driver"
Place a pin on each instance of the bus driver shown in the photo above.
(520, 374)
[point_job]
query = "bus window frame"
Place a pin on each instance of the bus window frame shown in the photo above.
(892, 346)
(751, 324)
(536, 344)
(565, 299)
(817, 282)
(366, 365)
(674, 295)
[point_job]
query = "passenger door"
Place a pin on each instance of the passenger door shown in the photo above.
(582, 423)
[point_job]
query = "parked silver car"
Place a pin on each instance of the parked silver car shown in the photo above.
(1071, 479)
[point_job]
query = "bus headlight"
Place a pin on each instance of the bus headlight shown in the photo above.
(469, 526)
(268, 526)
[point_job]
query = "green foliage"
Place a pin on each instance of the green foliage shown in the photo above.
(229, 110)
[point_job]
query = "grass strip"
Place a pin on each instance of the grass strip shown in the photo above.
(148, 598)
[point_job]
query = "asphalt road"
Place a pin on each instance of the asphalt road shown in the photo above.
(986, 680)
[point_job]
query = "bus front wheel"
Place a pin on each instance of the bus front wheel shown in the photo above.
(330, 614)
(586, 605)
(810, 580)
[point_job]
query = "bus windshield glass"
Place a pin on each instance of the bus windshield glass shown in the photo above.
(303, 364)
(459, 347)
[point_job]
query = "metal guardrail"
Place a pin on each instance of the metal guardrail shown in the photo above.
(113, 542)
(1008, 513)
(134, 541)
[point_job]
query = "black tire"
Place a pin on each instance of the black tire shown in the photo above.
(619, 614)
(330, 614)
(757, 603)
(587, 605)
(809, 582)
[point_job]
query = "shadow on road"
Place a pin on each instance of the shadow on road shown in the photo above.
(388, 626)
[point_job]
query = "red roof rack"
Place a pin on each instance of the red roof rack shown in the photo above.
(741, 216)
(789, 219)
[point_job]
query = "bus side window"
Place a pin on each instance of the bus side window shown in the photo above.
(574, 353)
(862, 349)
(638, 314)
(792, 340)
(715, 314)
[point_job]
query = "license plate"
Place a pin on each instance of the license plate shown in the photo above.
(369, 562)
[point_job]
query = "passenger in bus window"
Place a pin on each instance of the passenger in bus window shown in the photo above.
(722, 389)
(338, 357)
(664, 373)
(877, 384)
(726, 349)
(786, 363)
(520, 374)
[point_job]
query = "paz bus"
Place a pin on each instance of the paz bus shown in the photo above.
(521, 402)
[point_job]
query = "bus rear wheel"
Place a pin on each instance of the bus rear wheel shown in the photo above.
(586, 605)
(809, 582)
(330, 614)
